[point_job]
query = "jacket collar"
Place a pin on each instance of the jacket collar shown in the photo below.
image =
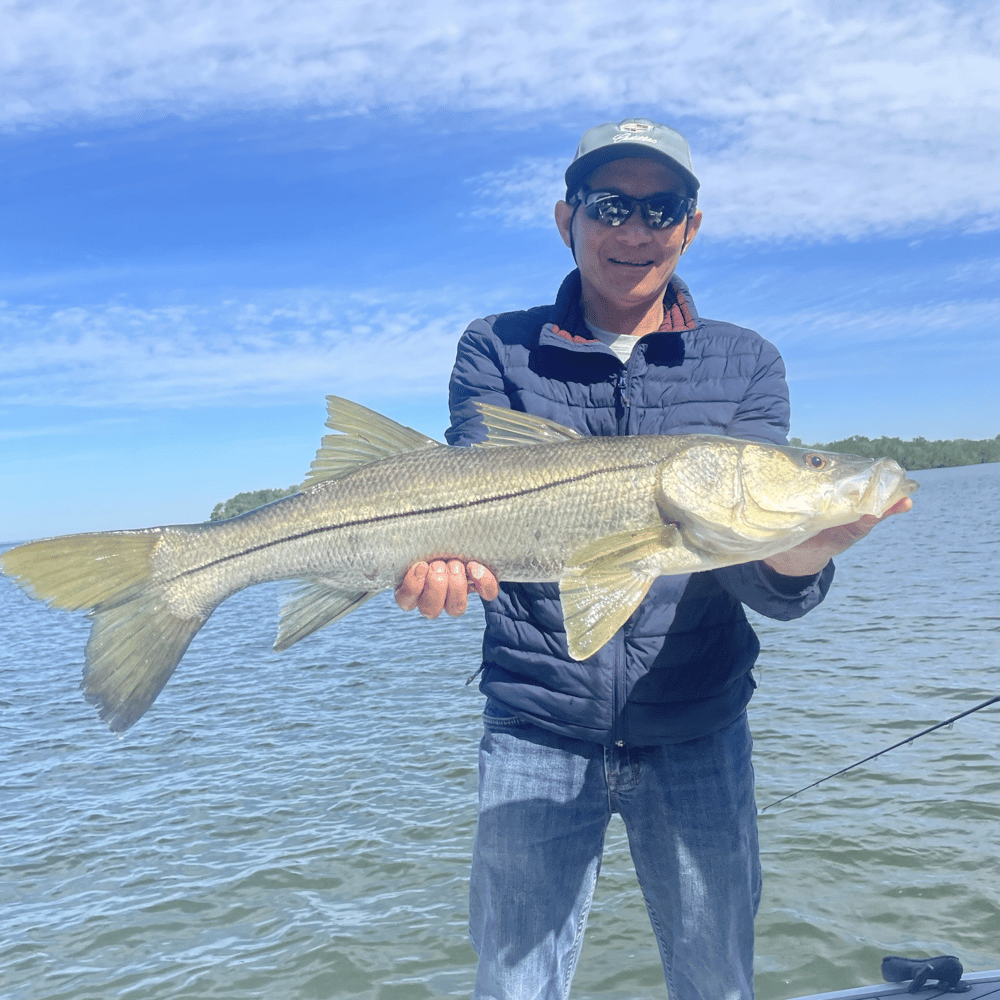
(567, 321)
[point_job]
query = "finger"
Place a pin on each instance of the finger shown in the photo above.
(411, 586)
(483, 581)
(861, 527)
(431, 601)
(900, 507)
(457, 597)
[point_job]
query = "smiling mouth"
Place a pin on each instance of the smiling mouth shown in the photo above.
(631, 263)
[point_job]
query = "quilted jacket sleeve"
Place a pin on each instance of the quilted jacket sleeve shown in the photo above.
(763, 415)
(477, 375)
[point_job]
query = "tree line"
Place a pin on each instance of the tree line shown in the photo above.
(911, 455)
(918, 453)
(243, 502)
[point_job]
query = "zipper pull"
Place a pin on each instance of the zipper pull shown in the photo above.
(622, 387)
(622, 401)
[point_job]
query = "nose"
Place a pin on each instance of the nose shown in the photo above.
(634, 230)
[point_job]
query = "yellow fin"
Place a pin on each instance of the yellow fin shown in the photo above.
(511, 427)
(313, 606)
(605, 582)
(82, 571)
(364, 437)
(135, 640)
(132, 651)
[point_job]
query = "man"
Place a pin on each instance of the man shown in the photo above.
(654, 725)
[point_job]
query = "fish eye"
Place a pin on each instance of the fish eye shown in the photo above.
(815, 461)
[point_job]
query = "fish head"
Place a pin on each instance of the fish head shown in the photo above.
(783, 485)
(729, 495)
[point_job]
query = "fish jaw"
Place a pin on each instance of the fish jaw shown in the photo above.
(873, 491)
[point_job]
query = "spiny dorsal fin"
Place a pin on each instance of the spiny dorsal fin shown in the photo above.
(365, 436)
(511, 427)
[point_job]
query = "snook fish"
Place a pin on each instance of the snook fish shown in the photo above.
(604, 516)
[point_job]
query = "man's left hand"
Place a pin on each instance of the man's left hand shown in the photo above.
(812, 555)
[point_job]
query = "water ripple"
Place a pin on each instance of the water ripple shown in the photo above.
(300, 825)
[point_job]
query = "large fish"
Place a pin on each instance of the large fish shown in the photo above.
(604, 516)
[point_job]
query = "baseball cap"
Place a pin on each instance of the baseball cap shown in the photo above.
(633, 137)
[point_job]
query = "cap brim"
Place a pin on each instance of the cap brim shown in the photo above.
(579, 169)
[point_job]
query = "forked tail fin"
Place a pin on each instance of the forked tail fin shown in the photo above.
(136, 641)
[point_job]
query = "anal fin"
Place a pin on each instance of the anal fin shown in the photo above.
(313, 606)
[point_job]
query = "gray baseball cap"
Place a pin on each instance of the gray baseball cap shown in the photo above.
(633, 137)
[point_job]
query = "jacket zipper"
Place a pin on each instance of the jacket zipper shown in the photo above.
(622, 391)
(622, 387)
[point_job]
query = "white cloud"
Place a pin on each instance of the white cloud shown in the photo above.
(297, 342)
(809, 118)
(968, 326)
(719, 60)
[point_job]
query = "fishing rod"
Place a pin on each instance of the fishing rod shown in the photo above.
(909, 739)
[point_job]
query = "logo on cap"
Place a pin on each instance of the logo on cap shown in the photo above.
(635, 132)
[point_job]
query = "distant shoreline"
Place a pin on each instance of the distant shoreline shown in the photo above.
(916, 454)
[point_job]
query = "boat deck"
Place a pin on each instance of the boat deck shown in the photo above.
(984, 984)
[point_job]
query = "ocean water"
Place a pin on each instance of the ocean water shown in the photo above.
(299, 825)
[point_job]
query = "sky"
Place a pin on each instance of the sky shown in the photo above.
(215, 212)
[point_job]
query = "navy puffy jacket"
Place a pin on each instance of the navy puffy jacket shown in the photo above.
(681, 665)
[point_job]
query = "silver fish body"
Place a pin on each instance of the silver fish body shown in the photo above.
(603, 516)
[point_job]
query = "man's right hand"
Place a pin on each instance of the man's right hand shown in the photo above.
(444, 586)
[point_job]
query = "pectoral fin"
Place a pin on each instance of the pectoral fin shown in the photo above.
(605, 582)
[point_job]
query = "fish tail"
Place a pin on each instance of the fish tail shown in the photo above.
(136, 640)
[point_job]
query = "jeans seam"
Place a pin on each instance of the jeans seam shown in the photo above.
(654, 920)
(581, 925)
(492, 722)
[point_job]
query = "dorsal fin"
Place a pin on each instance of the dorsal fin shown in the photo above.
(511, 427)
(365, 436)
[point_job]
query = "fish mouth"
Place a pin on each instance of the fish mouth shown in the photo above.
(876, 491)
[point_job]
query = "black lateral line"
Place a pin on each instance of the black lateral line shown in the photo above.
(513, 495)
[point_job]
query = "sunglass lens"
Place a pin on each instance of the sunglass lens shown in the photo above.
(664, 210)
(611, 209)
(659, 211)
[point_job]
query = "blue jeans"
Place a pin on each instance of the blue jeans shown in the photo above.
(544, 804)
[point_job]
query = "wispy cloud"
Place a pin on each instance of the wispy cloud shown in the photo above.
(970, 327)
(78, 427)
(292, 343)
(723, 60)
(809, 119)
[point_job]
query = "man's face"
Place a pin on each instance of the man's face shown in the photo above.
(627, 267)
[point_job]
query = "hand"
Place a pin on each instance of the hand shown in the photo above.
(442, 586)
(812, 555)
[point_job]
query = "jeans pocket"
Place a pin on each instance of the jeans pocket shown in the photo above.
(497, 717)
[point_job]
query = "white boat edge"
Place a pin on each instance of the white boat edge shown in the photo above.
(984, 984)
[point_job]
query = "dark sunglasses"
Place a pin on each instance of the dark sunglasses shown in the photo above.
(659, 211)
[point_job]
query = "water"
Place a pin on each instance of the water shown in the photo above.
(300, 825)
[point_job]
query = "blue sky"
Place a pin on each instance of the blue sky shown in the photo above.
(216, 212)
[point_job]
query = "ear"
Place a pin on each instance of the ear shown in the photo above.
(693, 225)
(564, 219)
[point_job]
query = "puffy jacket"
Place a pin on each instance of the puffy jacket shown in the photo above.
(680, 667)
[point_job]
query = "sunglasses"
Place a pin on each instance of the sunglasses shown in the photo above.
(659, 211)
